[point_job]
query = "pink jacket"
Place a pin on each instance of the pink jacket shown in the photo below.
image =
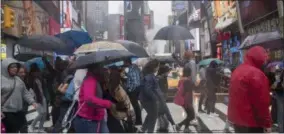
(3, 128)
(93, 105)
(179, 97)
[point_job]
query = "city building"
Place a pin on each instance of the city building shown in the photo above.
(29, 18)
(96, 16)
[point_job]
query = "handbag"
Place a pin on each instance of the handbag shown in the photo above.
(3, 128)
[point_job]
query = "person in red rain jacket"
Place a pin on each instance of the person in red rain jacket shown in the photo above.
(249, 98)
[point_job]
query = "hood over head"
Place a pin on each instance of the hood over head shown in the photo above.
(256, 56)
(4, 66)
(213, 64)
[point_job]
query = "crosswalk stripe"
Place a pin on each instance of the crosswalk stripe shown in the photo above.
(223, 110)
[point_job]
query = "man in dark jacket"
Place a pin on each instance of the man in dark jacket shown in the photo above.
(212, 83)
(249, 98)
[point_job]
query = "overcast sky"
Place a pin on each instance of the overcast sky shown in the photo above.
(162, 9)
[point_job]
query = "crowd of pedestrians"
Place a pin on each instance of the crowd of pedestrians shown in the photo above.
(102, 99)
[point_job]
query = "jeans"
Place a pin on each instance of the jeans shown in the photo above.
(133, 96)
(190, 114)
(83, 125)
(280, 114)
(211, 100)
(63, 109)
(41, 109)
(152, 114)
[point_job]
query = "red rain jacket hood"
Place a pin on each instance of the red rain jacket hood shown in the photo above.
(249, 97)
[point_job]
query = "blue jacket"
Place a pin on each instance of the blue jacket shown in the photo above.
(151, 90)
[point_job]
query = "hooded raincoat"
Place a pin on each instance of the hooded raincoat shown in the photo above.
(17, 86)
(249, 92)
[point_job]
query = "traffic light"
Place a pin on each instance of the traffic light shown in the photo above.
(9, 17)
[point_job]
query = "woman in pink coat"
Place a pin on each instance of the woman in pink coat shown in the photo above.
(91, 108)
(184, 98)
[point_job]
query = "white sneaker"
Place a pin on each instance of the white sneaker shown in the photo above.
(30, 130)
(216, 115)
(194, 122)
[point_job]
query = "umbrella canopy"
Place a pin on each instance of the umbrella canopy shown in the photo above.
(173, 32)
(26, 56)
(133, 47)
(45, 43)
(38, 61)
(164, 59)
(75, 38)
(276, 63)
(268, 39)
(105, 57)
(208, 61)
(99, 46)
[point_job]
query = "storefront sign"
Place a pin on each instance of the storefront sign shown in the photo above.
(3, 51)
(54, 27)
(227, 19)
(253, 9)
(266, 26)
(40, 22)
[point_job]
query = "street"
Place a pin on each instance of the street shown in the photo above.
(206, 124)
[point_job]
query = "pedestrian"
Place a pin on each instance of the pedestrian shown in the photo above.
(22, 74)
(34, 82)
(124, 113)
(91, 106)
(132, 88)
(278, 97)
(212, 83)
(249, 98)
(150, 96)
(184, 98)
(13, 94)
(65, 101)
(202, 88)
(162, 75)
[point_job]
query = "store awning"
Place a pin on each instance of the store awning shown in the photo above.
(226, 23)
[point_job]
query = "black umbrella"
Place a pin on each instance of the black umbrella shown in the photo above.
(45, 43)
(26, 56)
(133, 47)
(173, 32)
(104, 57)
(165, 59)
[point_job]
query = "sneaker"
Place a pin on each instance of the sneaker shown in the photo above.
(30, 130)
(201, 111)
(177, 127)
(216, 115)
(41, 131)
(194, 122)
(186, 130)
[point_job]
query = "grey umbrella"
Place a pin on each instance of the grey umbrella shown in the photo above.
(45, 42)
(267, 39)
(105, 57)
(173, 32)
(133, 47)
